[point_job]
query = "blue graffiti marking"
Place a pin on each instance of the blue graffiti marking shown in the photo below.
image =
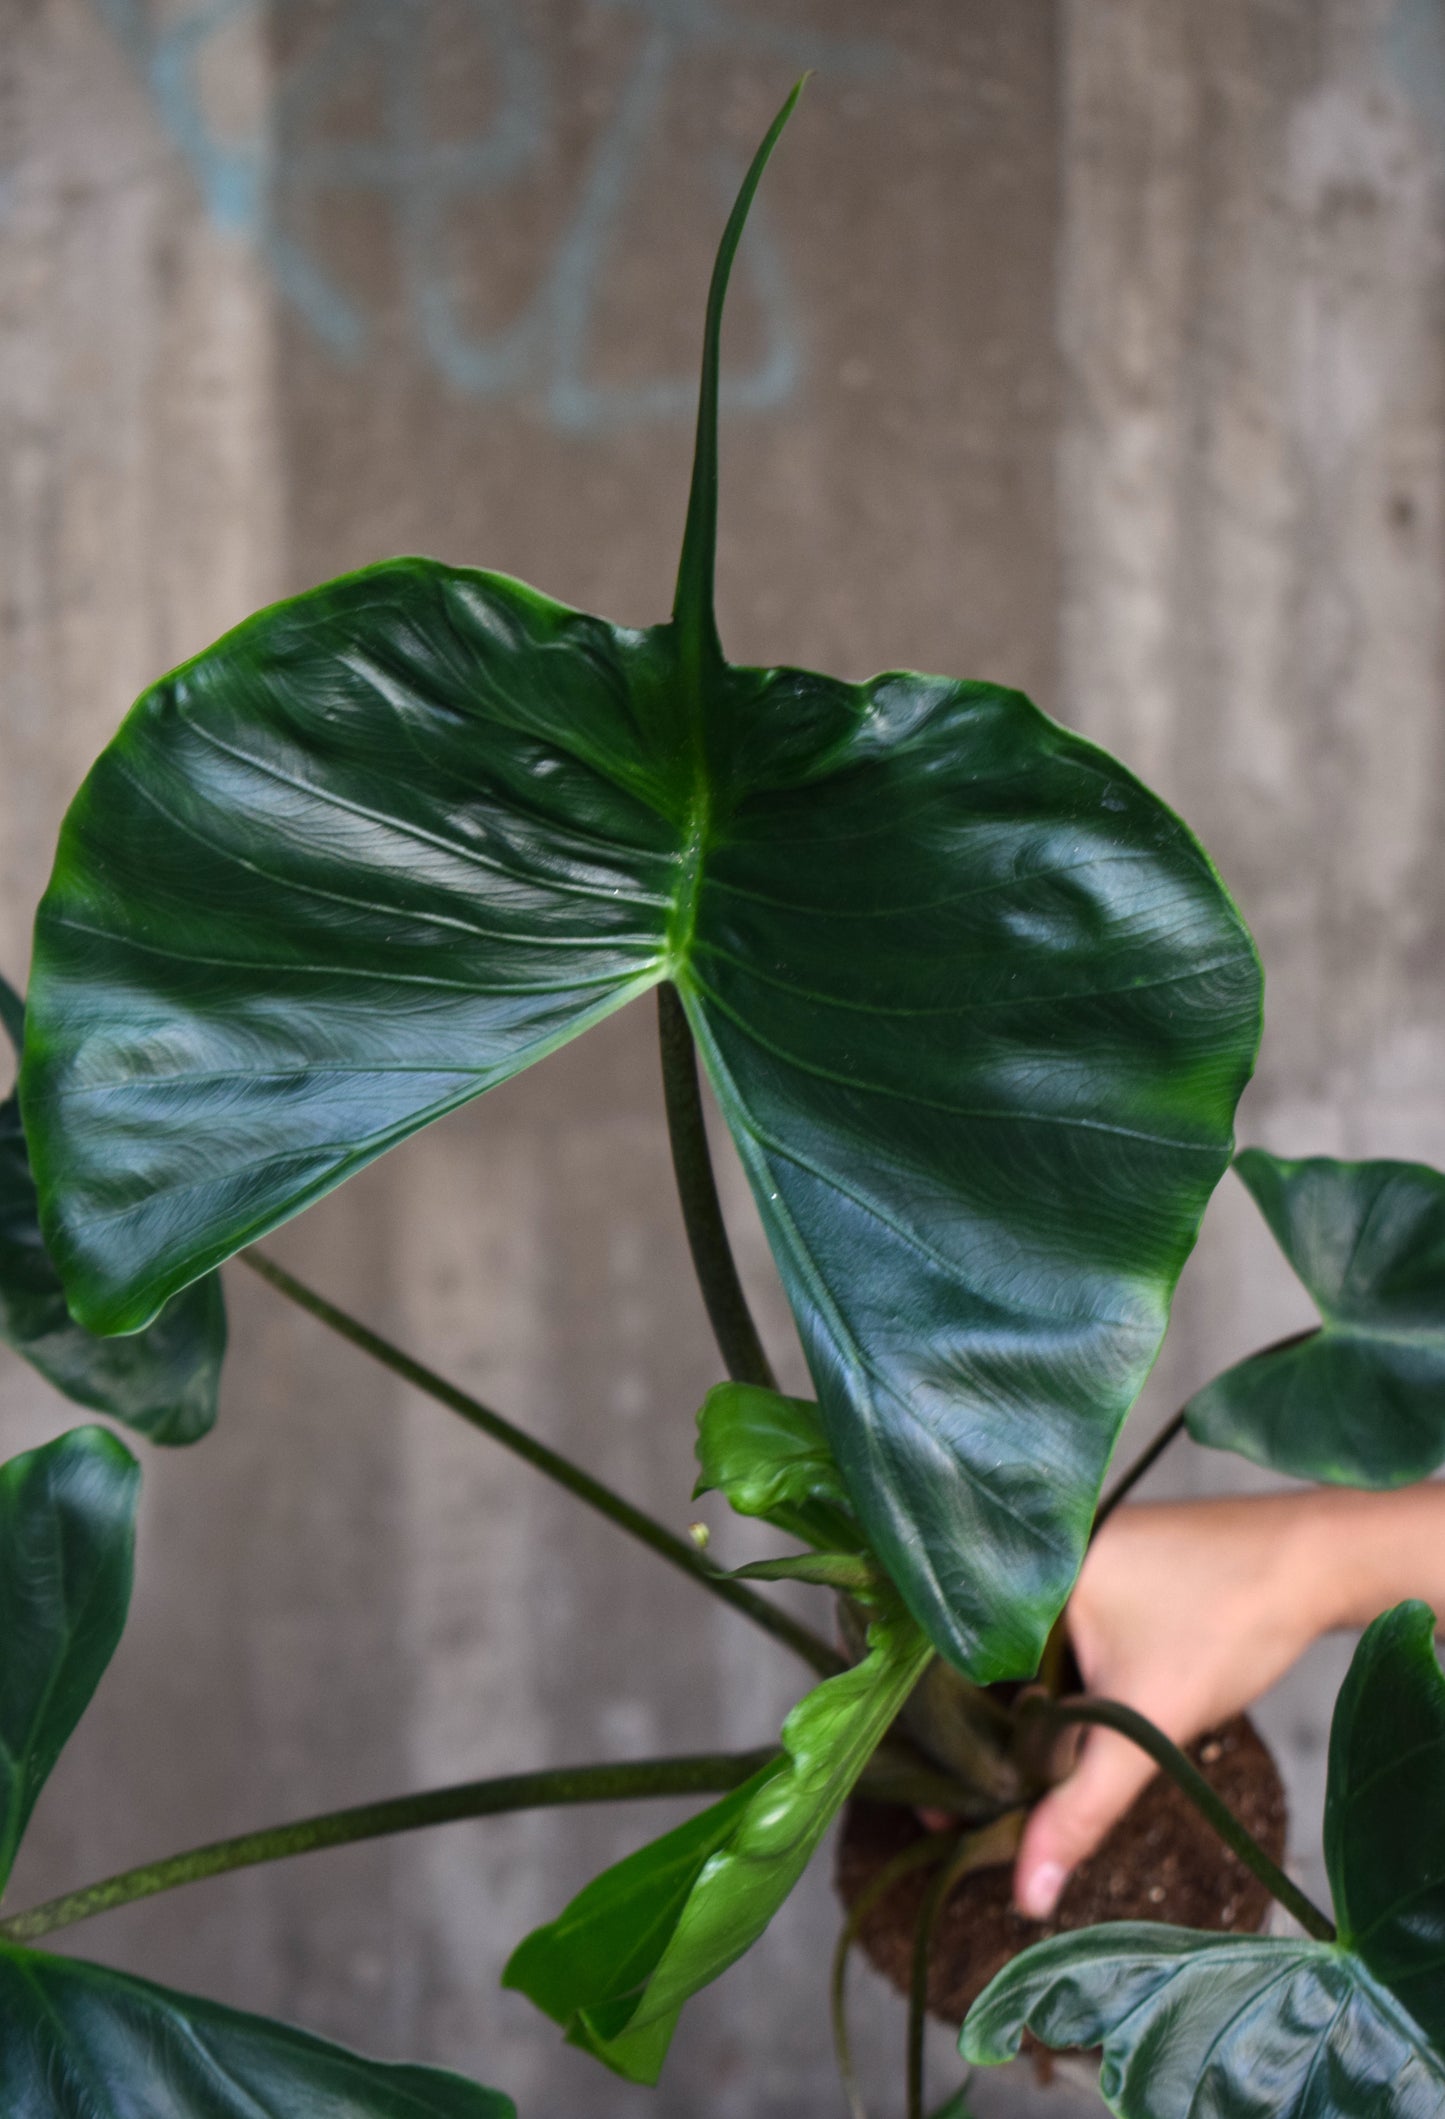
(1415, 49)
(260, 185)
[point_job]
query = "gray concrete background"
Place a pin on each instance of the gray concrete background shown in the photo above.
(1092, 346)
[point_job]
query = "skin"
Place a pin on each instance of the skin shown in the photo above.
(1189, 1611)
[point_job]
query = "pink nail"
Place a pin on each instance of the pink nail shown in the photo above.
(1041, 1890)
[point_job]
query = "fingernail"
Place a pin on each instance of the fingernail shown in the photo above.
(1040, 1893)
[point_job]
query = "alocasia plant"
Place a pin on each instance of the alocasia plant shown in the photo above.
(977, 1010)
(974, 1003)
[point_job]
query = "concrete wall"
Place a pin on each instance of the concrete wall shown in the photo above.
(1092, 346)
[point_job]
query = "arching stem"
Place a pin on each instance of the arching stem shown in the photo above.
(704, 1775)
(815, 1651)
(924, 1853)
(1110, 1714)
(990, 1845)
(1170, 1432)
(1144, 1462)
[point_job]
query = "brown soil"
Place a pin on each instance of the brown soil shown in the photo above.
(1160, 1862)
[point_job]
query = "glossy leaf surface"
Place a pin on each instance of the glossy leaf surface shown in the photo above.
(79, 2042)
(617, 1966)
(974, 1002)
(1385, 1811)
(163, 1380)
(588, 1968)
(67, 1542)
(1360, 1402)
(770, 1457)
(1199, 2026)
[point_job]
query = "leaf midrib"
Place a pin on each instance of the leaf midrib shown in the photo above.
(867, 1371)
(895, 1094)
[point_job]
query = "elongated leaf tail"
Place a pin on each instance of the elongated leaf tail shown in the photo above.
(692, 607)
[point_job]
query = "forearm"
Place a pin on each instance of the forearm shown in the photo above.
(1363, 1552)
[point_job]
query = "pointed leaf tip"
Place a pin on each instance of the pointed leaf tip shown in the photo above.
(692, 607)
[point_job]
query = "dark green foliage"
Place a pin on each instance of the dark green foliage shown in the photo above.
(1385, 1811)
(1361, 1401)
(162, 1380)
(67, 1539)
(78, 2041)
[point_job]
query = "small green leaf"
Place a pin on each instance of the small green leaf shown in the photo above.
(853, 1572)
(67, 1540)
(975, 1004)
(1198, 2026)
(770, 1456)
(1385, 1811)
(163, 1380)
(617, 1966)
(1361, 1401)
(80, 2042)
(588, 1968)
(1229, 2027)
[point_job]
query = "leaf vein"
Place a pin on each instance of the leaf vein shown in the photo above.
(908, 1096)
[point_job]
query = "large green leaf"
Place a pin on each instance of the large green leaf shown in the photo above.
(974, 1003)
(1232, 2027)
(616, 1967)
(1198, 2026)
(769, 1455)
(79, 2042)
(1361, 1401)
(162, 1380)
(1385, 1811)
(67, 1540)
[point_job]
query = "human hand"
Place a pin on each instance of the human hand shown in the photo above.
(1185, 1612)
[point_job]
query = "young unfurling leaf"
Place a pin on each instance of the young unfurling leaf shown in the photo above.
(615, 1968)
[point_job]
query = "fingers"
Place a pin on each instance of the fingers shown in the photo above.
(1071, 1821)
